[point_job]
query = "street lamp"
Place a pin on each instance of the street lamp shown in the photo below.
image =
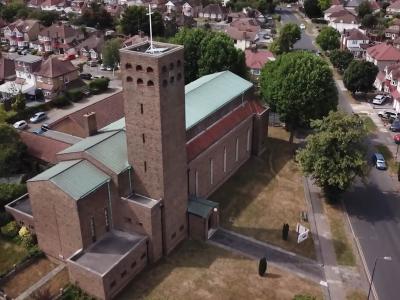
(387, 258)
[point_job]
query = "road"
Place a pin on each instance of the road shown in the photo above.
(373, 207)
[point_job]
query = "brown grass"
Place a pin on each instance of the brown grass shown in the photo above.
(28, 276)
(196, 270)
(356, 295)
(10, 254)
(266, 193)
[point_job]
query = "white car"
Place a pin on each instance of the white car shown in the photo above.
(289, 6)
(379, 99)
(302, 26)
(39, 116)
(20, 125)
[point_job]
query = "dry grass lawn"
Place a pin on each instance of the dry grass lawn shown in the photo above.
(266, 193)
(196, 270)
(356, 295)
(28, 276)
(10, 254)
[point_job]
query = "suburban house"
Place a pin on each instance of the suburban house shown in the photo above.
(138, 38)
(191, 8)
(256, 59)
(331, 10)
(77, 6)
(343, 20)
(352, 5)
(382, 55)
(355, 41)
(128, 194)
(388, 81)
(392, 32)
(54, 75)
(214, 12)
(58, 38)
(90, 48)
(50, 5)
(393, 8)
(22, 33)
(244, 32)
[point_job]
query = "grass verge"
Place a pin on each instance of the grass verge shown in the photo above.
(387, 154)
(369, 124)
(356, 295)
(10, 254)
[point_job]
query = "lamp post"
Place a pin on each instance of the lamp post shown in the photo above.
(387, 258)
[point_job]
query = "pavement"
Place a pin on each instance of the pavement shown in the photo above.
(255, 249)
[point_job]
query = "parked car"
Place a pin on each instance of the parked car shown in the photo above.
(39, 116)
(38, 131)
(395, 126)
(379, 161)
(396, 138)
(380, 99)
(12, 49)
(108, 68)
(20, 125)
(302, 26)
(388, 114)
(289, 6)
(86, 76)
(102, 67)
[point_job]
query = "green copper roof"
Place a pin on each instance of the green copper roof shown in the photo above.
(201, 207)
(76, 178)
(209, 93)
(203, 97)
(109, 148)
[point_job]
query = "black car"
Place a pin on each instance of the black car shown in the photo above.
(86, 76)
(395, 126)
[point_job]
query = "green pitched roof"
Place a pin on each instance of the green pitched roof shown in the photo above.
(109, 148)
(76, 178)
(203, 97)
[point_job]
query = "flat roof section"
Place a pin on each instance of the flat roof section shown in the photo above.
(22, 204)
(105, 253)
(149, 202)
(159, 49)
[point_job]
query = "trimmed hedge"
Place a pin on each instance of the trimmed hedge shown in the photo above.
(74, 95)
(60, 101)
(99, 85)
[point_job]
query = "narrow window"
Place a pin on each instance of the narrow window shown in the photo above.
(140, 81)
(224, 159)
(173, 235)
(211, 171)
(181, 227)
(179, 76)
(139, 68)
(237, 149)
(106, 219)
(145, 166)
(196, 175)
(141, 108)
(123, 274)
(92, 229)
(133, 264)
(171, 66)
(112, 284)
(172, 79)
(164, 69)
(143, 138)
(165, 83)
(178, 63)
(248, 140)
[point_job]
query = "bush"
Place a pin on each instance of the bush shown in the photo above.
(99, 85)
(10, 230)
(74, 95)
(319, 21)
(60, 101)
(28, 240)
(4, 218)
(34, 251)
(72, 292)
(10, 192)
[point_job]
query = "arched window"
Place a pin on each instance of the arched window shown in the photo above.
(171, 66)
(149, 70)
(165, 83)
(172, 79)
(179, 77)
(164, 69)
(129, 79)
(128, 66)
(139, 68)
(150, 83)
(139, 81)
(178, 63)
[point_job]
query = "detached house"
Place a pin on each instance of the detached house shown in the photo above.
(58, 38)
(388, 82)
(244, 32)
(331, 10)
(191, 8)
(52, 5)
(22, 33)
(394, 8)
(256, 59)
(392, 32)
(343, 20)
(54, 75)
(91, 47)
(213, 12)
(382, 55)
(355, 41)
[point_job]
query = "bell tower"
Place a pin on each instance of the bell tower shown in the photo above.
(154, 104)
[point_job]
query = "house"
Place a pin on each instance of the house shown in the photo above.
(343, 20)
(382, 55)
(256, 59)
(131, 192)
(58, 38)
(91, 47)
(393, 8)
(392, 32)
(51, 5)
(135, 39)
(214, 12)
(244, 32)
(54, 75)
(114, 10)
(388, 81)
(355, 41)
(22, 32)
(191, 8)
(77, 6)
(35, 3)
(331, 10)
(352, 5)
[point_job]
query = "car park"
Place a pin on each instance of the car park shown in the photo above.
(380, 99)
(86, 76)
(39, 116)
(20, 125)
(379, 161)
(395, 126)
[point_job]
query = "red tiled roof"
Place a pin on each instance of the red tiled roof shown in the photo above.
(257, 59)
(395, 5)
(53, 67)
(384, 52)
(355, 34)
(334, 8)
(221, 128)
(381, 76)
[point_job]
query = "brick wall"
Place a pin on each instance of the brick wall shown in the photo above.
(197, 227)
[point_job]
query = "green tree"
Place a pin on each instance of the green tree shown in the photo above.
(364, 9)
(360, 76)
(110, 52)
(335, 153)
(312, 9)
(13, 10)
(341, 59)
(328, 38)
(324, 4)
(299, 86)
(45, 17)
(12, 151)
(10, 192)
(19, 102)
(135, 18)
(288, 36)
(369, 21)
(96, 16)
(267, 6)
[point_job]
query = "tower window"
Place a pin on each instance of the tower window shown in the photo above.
(178, 63)
(171, 66)
(128, 66)
(211, 172)
(133, 264)
(149, 70)
(179, 77)
(145, 166)
(141, 108)
(139, 68)
(172, 79)
(140, 81)
(237, 149)
(143, 138)
(164, 69)
(129, 79)
(165, 83)
(150, 83)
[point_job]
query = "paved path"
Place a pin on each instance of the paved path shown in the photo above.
(252, 248)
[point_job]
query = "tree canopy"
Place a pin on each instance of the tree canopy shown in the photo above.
(110, 52)
(96, 16)
(11, 150)
(135, 19)
(45, 17)
(288, 36)
(364, 9)
(312, 9)
(324, 4)
(369, 21)
(328, 38)
(335, 154)
(299, 86)
(360, 76)
(341, 59)
(208, 52)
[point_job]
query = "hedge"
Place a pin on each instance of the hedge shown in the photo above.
(10, 192)
(60, 101)
(10, 230)
(99, 85)
(4, 218)
(74, 95)
(319, 21)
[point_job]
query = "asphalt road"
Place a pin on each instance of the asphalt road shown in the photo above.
(373, 208)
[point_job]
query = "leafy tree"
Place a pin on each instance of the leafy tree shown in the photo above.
(341, 59)
(12, 151)
(300, 87)
(135, 19)
(328, 38)
(45, 17)
(96, 17)
(19, 102)
(360, 76)
(335, 153)
(267, 6)
(369, 21)
(364, 9)
(288, 36)
(10, 192)
(312, 9)
(324, 4)
(13, 10)
(110, 52)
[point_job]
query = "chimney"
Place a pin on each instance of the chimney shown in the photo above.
(90, 123)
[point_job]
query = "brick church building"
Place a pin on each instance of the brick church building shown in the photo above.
(132, 191)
